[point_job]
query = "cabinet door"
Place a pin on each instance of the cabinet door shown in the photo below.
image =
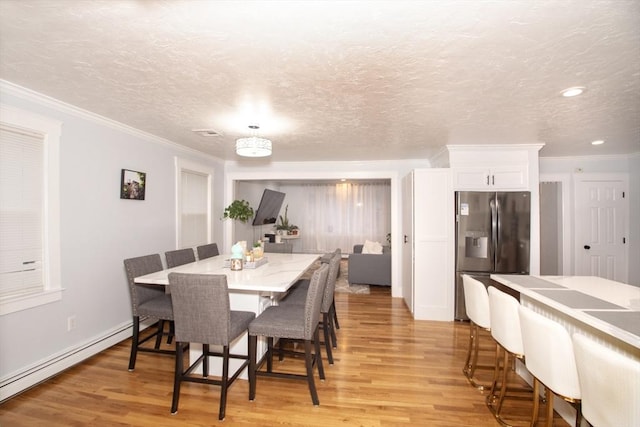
(509, 177)
(470, 178)
(495, 178)
(433, 238)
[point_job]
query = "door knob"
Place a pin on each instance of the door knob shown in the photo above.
(587, 247)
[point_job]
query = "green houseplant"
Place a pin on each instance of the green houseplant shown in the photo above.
(284, 222)
(240, 210)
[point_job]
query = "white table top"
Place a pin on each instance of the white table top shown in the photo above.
(277, 275)
(611, 307)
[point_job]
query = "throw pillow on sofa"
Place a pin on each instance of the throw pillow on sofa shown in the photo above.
(370, 247)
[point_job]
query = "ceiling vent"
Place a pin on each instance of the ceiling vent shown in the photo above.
(208, 133)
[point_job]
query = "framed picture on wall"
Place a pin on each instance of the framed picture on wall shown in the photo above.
(132, 184)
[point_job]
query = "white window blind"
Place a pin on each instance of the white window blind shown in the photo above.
(21, 212)
(194, 202)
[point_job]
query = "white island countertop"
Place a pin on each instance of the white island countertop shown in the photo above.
(610, 307)
(277, 275)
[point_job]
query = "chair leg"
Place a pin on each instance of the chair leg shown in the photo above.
(335, 314)
(253, 341)
(476, 350)
(536, 402)
(503, 386)
(159, 334)
(177, 378)
(270, 354)
(224, 381)
(494, 383)
(134, 342)
(318, 354)
(205, 360)
(467, 364)
(172, 331)
(549, 396)
(308, 361)
(327, 342)
(332, 325)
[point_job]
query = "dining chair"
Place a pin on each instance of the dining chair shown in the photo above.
(609, 383)
(549, 358)
(147, 301)
(281, 248)
(476, 300)
(179, 257)
(202, 315)
(207, 251)
(505, 330)
(303, 284)
(293, 322)
(298, 297)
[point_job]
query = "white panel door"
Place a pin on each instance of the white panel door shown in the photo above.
(601, 228)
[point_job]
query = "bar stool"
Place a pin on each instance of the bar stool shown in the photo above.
(610, 384)
(549, 357)
(505, 330)
(476, 300)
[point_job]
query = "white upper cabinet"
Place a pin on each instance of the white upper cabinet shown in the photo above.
(514, 177)
(493, 168)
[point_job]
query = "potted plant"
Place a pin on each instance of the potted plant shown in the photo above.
(240, 210)
(284, 225)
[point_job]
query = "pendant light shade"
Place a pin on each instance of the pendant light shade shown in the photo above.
(253, 147)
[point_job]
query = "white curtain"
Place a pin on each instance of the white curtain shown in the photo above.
(332, 216)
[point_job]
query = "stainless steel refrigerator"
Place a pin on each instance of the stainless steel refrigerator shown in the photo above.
(492, 236)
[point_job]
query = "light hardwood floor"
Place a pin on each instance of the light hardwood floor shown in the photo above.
(389, 371)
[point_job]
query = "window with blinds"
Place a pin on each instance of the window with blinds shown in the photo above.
(195, 208)
(29, 210)
(21, 212)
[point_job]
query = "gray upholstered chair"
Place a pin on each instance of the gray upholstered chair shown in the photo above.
(280, 248)
(304, 284)
(203, 315)
(299, 295)
(208, 251)
(179, 257)
(292, 322)
(147, 301)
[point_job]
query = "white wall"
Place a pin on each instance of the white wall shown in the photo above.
(629, 164)
(98, 231)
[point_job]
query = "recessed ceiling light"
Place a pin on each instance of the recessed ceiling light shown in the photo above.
(597, 142)
(573, 91)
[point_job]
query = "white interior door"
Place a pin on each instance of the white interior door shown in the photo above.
(601, 224)
(407, 239)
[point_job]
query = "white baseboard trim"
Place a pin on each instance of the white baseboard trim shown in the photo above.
(25, 378)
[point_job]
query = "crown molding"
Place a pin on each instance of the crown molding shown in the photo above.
(595, 157)
(47, 101)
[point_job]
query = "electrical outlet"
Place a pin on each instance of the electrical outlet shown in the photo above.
(71, 323)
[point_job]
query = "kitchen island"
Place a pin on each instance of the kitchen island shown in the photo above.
(603, 310)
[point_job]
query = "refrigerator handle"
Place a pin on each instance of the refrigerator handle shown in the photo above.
(494, 228)
(498, 227)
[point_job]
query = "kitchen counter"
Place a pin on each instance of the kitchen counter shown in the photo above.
(610, 310)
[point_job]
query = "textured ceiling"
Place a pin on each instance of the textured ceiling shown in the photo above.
(340, 80)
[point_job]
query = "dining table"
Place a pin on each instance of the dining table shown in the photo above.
(258, 285)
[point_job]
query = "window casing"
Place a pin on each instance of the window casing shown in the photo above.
(29, 210)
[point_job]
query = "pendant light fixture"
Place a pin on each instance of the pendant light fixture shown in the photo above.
(253, 146)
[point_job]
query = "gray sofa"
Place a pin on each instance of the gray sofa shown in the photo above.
(371, 269)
